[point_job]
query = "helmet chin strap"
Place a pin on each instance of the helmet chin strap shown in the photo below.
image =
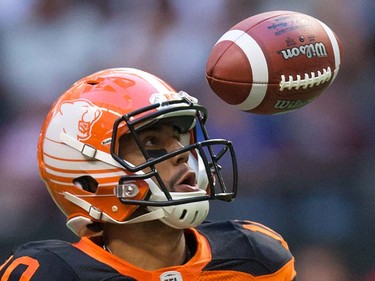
(178, 216)
(79, 224)
(97, 214)
(93, 211)
(89, 151)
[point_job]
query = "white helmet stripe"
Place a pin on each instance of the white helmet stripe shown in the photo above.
(158, 84)
(74, 165)
(93, 173)
(102, 184)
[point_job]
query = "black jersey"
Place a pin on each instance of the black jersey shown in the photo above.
(231, 250)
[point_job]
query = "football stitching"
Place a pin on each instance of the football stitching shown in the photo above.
(307, 81)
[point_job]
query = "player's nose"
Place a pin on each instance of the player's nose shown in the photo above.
(181, 157)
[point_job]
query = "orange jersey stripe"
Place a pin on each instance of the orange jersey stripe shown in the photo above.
(267, 231)
(192, 269)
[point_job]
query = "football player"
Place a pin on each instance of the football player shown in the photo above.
(130, 163)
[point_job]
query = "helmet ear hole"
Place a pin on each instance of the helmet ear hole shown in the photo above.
(87, 183)
(96, 226)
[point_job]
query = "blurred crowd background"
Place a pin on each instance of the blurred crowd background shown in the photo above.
(308, 174)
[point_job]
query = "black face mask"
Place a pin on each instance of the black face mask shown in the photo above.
(216, 155)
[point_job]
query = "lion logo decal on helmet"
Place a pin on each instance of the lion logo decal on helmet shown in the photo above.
(84, 112)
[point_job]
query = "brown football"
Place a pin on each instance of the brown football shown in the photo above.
(274, 62)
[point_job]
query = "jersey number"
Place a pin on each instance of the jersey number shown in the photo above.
(32, 266)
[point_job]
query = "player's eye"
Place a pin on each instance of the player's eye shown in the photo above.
(150, 141)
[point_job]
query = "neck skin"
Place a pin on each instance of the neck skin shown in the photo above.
(149, 245)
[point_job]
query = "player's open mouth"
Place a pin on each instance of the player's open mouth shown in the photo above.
(186, 183)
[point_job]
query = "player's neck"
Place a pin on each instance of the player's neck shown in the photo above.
(150, 245)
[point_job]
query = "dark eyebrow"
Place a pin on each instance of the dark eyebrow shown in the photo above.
(152, 128)
(158, 126)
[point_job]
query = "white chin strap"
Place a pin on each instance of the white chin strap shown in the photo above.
(79, 224)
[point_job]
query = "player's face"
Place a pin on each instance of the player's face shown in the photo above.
(159, 140)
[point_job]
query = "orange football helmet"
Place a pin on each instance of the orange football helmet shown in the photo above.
(79, 162)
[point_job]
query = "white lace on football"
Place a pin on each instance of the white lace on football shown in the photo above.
(307, 81)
